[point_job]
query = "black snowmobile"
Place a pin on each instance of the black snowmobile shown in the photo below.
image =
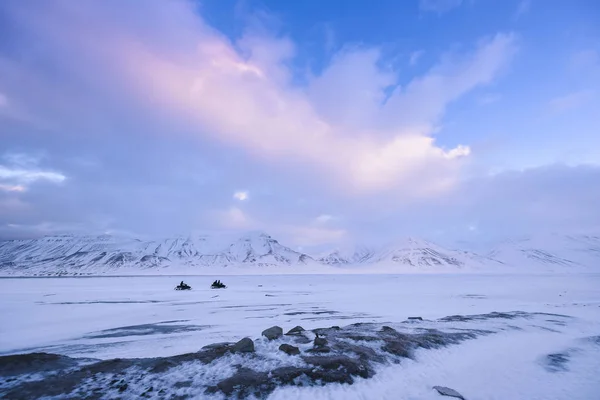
(183, 286)
(218, 285)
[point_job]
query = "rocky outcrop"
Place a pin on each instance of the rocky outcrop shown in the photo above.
(289, 349)
(342, 355)
(274, 332)
(297, 330)
(246, 345)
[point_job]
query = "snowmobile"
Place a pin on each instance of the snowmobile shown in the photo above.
(217, 285)
(183, 286)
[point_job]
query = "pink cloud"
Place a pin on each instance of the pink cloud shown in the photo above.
(338, 124)
(241, 94)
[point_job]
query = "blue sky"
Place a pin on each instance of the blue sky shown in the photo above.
(322, 123)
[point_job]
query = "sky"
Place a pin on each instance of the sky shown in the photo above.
(318, 122)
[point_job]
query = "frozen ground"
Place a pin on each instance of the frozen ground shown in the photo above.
(529, 355)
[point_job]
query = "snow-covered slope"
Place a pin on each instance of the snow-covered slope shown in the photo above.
(59, 255)
(97, 254)
(349, 255)
(415, 254)
(419, 253)
(553, 251)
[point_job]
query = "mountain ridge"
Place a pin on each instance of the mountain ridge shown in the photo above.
(101, 254)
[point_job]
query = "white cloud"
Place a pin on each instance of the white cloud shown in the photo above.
(241, 195)
(340, 125)
(12, 188)
(29, 176)
(344, 126)
(3, 100)
(439, 6)
(22, 170)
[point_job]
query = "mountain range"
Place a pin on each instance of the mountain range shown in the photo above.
(91, 255)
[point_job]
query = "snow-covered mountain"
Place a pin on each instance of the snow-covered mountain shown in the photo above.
(91, 254)
(550, 250)
(58, 255)
(414, 253)
(348, 255)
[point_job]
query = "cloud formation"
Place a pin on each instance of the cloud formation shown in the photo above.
(343, 124)
(357, 137)
(19, 171)
(148, 119)
(241, 195)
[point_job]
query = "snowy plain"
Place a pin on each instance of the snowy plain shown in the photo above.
(131, 317)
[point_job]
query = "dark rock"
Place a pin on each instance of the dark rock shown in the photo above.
(275, 332)
(364, 353)
(34, 363)
(445, 391)
(246, 345)
(286, 375)
(245, 381)
(388, 330)
(320, 341)
(114, 366)
(399, 347)
(59, 385)
(415, 318)
(297, 330)
(289, 349)
(339, 364)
